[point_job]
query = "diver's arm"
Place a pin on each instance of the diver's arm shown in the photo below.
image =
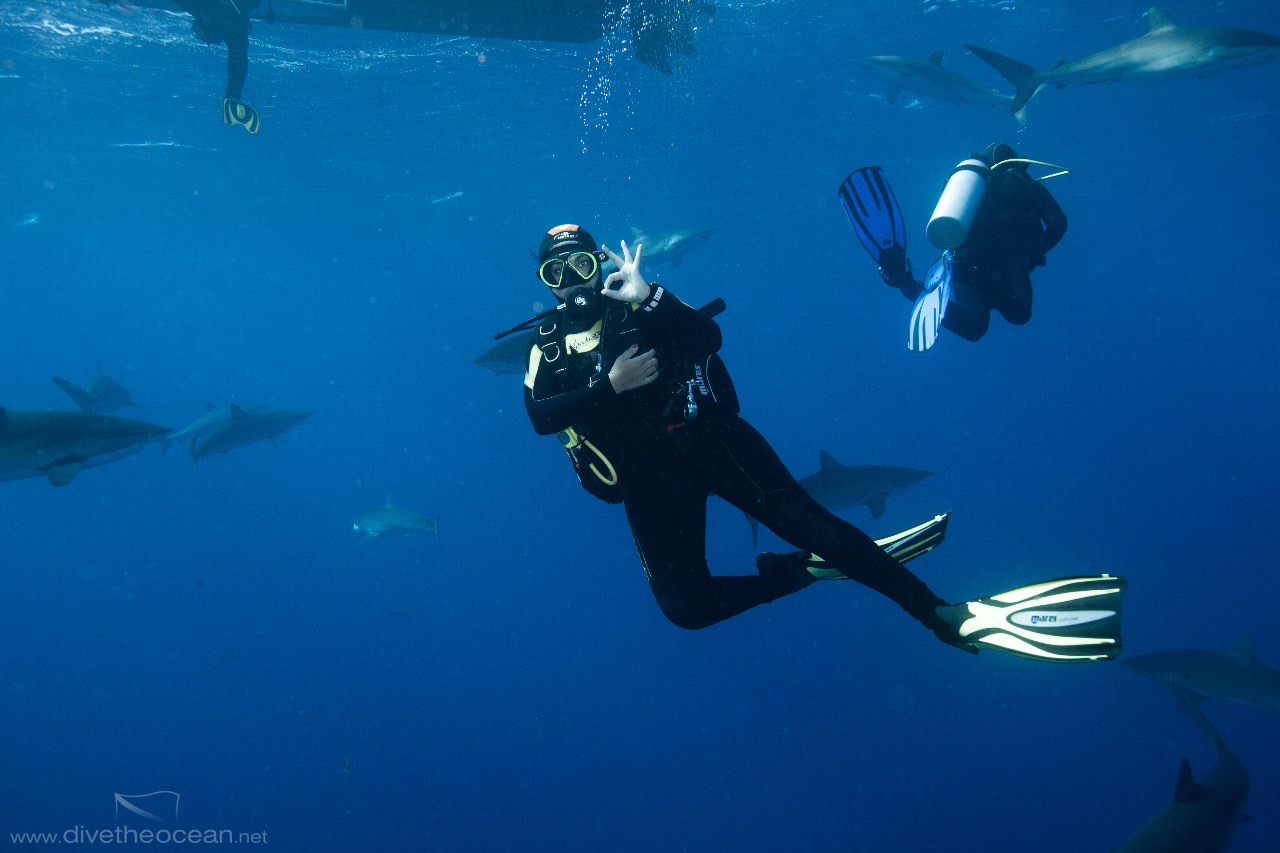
(1055, 221)
(549, 411)
(664, 311)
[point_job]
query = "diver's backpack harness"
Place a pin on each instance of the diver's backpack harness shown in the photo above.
(597, 473)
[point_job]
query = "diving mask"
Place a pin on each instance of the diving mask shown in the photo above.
(584, 266)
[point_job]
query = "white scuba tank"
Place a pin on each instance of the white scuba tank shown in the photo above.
(958, 204)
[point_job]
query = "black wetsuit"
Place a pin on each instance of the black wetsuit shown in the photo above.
(225, 21)
(667, 464)
(1017, 224)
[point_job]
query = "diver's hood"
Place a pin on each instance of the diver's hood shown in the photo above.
(998, 152)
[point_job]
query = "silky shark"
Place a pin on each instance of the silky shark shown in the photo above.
(58, 445)
(1204, 815)
(838, 486)
(1235, 676)
(668, 247)
(927, 77)
(213, 418)
(1167, 50)
(246, 427)
(104, 394)
(391, 520)
(507, 356)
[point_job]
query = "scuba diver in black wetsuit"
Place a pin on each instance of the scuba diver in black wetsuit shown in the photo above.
(1016, 224)
(629, 377)
(215, 21)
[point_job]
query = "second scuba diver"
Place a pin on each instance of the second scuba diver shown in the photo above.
(629, 378)
(998, 222)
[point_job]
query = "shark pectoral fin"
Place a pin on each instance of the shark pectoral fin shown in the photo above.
(876, 505)
(1187, 789)
(61, 473)
(1187, 700)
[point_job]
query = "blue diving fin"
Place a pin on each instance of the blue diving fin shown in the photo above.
(875, 215)
(931, 307)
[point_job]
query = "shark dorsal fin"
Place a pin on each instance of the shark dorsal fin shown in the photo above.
(638, 236)
(389, 504)
(1245, 650)
(827, 462)
(935, 58)
(237, 413)
(1187, 789)
(1160, 19)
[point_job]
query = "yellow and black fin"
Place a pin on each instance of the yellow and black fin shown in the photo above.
(234, 112)
(1067, 620)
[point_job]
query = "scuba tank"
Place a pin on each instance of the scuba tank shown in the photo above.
(958, 204)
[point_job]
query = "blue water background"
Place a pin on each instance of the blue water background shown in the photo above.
(223, 633)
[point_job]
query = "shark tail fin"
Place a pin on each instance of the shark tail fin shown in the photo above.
(1021, 75)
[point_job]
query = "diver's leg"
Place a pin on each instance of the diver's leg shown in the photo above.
(968, 315)
(1013, 294)
(895, 270)
(760, 485)
(667, 508)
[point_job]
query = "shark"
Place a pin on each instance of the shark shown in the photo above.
(245, 427)
(507, 356)
(1204, 814)
(837, 486)
(391, 520)
(1234, 676)
(58, 445)
(668, 247)
(104, 395)
(927, 77)
(1168, 49)
(213, 418)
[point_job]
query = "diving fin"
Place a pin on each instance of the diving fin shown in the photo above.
(1074, 619)
(904, 546)
(234, 112)
(875, 216)
(915, 541)
(931, 306)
